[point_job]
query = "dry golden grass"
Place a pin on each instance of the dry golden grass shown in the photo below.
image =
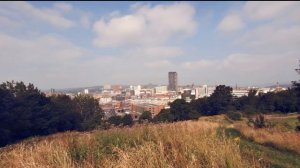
(271, 136)
(183, 144)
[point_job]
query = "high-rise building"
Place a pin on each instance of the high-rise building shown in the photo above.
(52, 91)
(173, 79)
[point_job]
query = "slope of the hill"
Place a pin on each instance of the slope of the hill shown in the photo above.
(201, 143)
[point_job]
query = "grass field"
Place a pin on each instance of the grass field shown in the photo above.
(208, 142)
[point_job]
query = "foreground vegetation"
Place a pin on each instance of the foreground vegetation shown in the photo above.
(209, 142)
(276, 144)
(274, 137)
(182, 144)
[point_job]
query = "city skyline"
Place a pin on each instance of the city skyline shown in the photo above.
(81, 44)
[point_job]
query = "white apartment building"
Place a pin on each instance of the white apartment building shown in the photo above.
(105, 100)
(161, 90)
(106, 87)
(240, 92)
(202, 91)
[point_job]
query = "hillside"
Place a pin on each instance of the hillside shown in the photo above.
(208, 142)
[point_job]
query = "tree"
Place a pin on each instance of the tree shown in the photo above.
(286, 101)
(146, 116)
(89, 110)
(6, 118)
(65, 115)
(180, 109)
(164, 116)
(193, 115)
(298, 126)
(23, 112)
(220, 99)
(202, 106)
(127, 120)
(296, 87)
(266, 102)
(250, 100)
(115, 120)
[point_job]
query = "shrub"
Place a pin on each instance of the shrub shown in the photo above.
(298, 128)
(234, 115)
(115, 120)
(146, 116)
(260, 121)
(127, 120)
(164, 116)
(194, 115)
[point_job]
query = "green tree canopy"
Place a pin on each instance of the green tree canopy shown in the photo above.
(127, 120)
(90, 111)
(146, 115)
(25, 112)
(180, 110)
(115, 120)
(164, 116)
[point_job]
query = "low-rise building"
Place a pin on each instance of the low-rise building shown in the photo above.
(152, 108)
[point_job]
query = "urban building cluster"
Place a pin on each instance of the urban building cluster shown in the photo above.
(136, 99)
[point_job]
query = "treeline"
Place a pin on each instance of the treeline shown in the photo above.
(25, 112)
(223, 102)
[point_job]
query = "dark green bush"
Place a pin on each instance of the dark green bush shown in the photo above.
(259, 121)
(298, 128)
(234, 115)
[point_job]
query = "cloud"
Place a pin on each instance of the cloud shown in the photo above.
(277, 31)
(20, 10)
(39, 59)
(7, 23)
(154, 52)
(269, 44)
(278, 12)
(242, 68)
(231, 23)
(158, 64)
(51, 61)
(148, 45)
(146, 25)
(267, 10)
(272, 39)
(85, 21)
(39, 48)
(63, 6)
(200, 64)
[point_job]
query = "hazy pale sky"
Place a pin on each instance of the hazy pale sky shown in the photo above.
(72, 44)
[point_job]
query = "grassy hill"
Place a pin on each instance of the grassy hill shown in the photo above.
(209, 142)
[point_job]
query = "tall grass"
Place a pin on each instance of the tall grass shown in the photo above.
(183, 144)
(272, 137)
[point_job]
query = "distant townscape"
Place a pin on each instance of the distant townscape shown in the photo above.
(136, 99)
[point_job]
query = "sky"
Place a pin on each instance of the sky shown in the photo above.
(78, 44)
